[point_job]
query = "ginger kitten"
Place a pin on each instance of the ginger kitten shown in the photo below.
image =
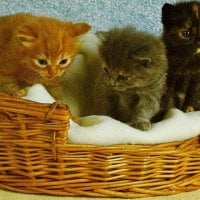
(36, 49)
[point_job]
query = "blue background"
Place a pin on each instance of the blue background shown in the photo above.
(145, 15)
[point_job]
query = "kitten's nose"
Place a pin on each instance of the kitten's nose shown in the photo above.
(112, 82)
(52, 71)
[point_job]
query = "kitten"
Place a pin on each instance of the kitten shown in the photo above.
(36, 49)
(132, 80)
(181, 35)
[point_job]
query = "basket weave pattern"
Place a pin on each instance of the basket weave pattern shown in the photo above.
(35, 158)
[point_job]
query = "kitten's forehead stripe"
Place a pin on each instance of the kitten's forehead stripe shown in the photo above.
(195, 9)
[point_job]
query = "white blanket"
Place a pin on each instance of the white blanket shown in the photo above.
(103, 130)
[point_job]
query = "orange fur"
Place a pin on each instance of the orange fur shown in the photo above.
(36, 49)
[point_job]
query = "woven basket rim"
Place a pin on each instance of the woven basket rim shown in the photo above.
(36, 158)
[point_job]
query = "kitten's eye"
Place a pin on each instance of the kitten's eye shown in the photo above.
(145, 62)
(186, 34)
(106, 70)
(63, 62)
(40, 62)
(122, 78)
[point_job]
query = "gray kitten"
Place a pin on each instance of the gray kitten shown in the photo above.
(133, 76)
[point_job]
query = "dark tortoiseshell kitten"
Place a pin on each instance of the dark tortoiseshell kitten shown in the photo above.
(181, 23)
(132, 78)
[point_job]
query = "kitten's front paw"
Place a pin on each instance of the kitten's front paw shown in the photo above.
(189, 109)
(141, 124)
(20, 93)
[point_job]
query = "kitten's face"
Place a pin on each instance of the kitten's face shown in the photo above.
(135, 74)
(131, 59)
(182, 28)
(45, 54)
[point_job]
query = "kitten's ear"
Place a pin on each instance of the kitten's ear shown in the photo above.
(145, 62)
(80, 29)
(102, 35)
(26, 36)
(167, 13)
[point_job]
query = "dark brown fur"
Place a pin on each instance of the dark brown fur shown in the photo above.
(181, 23)
(133, 76)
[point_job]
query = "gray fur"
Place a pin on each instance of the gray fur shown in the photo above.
(133, 76)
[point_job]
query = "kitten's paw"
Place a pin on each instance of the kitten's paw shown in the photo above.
(20, 93)
(189, 109)
(143, 124)
(59, 101)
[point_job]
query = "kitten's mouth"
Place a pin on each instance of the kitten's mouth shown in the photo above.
(50, 77)
(119, 89)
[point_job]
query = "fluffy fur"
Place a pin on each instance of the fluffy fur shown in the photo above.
(36, 49)
(181, 36)
(176, 126)
(132, 79)
(81, 75)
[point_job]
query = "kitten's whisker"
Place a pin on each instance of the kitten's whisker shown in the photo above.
(69, 76)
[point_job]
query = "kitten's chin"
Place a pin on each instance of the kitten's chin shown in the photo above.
(49, 78)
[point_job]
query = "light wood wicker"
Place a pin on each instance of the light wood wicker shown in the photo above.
(35, 158)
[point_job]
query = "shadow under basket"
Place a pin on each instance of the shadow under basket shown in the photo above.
(35, 158)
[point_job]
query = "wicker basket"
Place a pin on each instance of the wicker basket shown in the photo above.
(35, 158)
